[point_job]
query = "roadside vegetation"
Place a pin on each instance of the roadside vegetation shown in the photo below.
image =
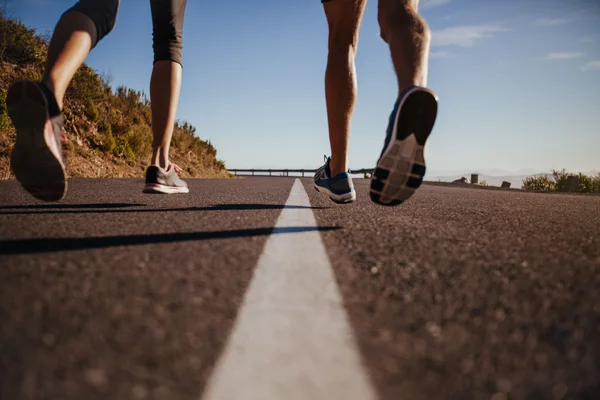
(108, 131)
(561, 181)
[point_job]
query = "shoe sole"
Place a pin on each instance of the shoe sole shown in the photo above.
(35, 159)
(163, 189)
(400, 170)
(337, 198)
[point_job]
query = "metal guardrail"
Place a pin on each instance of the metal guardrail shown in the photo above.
(286, 172)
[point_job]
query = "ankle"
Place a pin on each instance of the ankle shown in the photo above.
(160, 157)
(337, 168)
(408, 83)
(54, 103)
(161, 164)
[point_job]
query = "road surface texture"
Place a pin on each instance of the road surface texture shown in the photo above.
(457, 294)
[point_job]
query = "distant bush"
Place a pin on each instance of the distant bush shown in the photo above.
(588, 184)
(559, 182)
(539, 183)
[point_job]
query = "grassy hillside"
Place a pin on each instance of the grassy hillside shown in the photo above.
(109, 133)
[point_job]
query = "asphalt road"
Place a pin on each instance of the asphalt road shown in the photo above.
(457, 294)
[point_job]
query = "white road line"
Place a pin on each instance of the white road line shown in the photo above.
(291, 339)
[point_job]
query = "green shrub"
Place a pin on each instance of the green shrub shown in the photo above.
(139, 139)
(90, 110)
(19, 44)
(560, 180)
(539, 183)
(146, 113)
(31, 74)
(220, 164)
(5, 123)
(559, 183)
(123, 150)
(120, 127)
(86, 84)
(588, 184)
(109, 142)
(113, 115)
(69, 147)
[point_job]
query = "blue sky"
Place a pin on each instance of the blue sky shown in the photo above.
(518, 81)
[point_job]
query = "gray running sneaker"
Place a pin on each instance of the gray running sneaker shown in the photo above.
(165, 181)
(36, 159)
(339, 188)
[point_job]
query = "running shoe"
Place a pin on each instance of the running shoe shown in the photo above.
(36, 158)
(340, 188)
(401, 166)
(165, 181)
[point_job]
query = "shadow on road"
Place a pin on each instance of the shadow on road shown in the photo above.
(114, 208)
(67, 206)
(40, 245)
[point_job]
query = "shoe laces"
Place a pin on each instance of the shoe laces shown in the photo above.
(176, 167)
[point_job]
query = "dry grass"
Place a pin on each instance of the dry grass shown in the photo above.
(109, 132)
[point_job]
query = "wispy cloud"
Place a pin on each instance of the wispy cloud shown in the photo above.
(587, 39)
(591, 66)
(439, 54)
(563, 56)
(464, 36)
(551, 21)
(433, 3)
